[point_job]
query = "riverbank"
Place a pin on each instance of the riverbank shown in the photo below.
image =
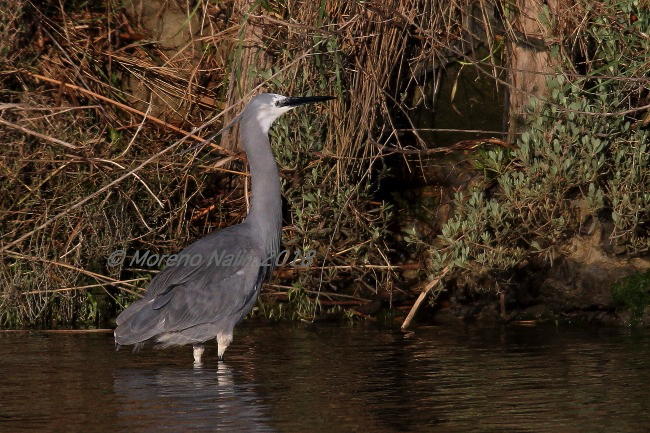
(498, 157)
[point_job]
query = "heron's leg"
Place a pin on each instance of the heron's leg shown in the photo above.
(223, 341)
(198, 352)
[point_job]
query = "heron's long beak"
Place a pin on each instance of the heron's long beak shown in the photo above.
(294, 102)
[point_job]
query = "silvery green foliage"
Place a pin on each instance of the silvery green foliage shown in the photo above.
(580, 160)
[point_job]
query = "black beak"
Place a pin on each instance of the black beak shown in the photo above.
(294, 102)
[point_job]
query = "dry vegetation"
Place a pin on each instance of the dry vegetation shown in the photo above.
(99, 113)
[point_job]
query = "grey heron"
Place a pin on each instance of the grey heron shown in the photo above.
(193, 301)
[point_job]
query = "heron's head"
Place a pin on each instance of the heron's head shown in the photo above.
(267, 107)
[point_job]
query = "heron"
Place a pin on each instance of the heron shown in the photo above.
(193, 301)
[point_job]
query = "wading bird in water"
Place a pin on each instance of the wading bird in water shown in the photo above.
(193, 301)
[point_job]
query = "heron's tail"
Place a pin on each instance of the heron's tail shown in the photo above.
(137, 324)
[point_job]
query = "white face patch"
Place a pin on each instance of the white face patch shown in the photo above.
(268, 113)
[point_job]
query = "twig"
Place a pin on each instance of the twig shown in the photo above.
(74, 268)
(408, 266)
(89, 286)
(56, 331)
(38, 134)
(474, 131)
(155, 197)
(329, 294)
(130, 109)
(461, 145)
(285, 271)
(297, 25)
(77, 331)
(320, 301)
(420, 299)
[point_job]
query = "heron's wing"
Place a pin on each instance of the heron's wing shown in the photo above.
(210, 250)
(212, 298)
(189, 293)
(225, 250)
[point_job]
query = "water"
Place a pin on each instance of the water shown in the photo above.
(330, 379)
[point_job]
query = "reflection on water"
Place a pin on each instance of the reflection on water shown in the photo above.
(327, 379)
(173, 399)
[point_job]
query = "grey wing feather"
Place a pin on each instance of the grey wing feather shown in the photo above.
(211, 299)
(183, 296)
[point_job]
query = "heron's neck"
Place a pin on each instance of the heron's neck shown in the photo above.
(266, 204)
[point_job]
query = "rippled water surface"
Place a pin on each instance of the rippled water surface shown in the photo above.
(330, 379)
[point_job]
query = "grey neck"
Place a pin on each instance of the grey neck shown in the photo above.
(265, 215)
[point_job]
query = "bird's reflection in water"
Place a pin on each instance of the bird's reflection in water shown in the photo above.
(173, 399)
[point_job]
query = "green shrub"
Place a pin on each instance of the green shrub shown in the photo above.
(582, 159)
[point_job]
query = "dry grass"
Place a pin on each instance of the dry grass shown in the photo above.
(92, 94)
(100, 101)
